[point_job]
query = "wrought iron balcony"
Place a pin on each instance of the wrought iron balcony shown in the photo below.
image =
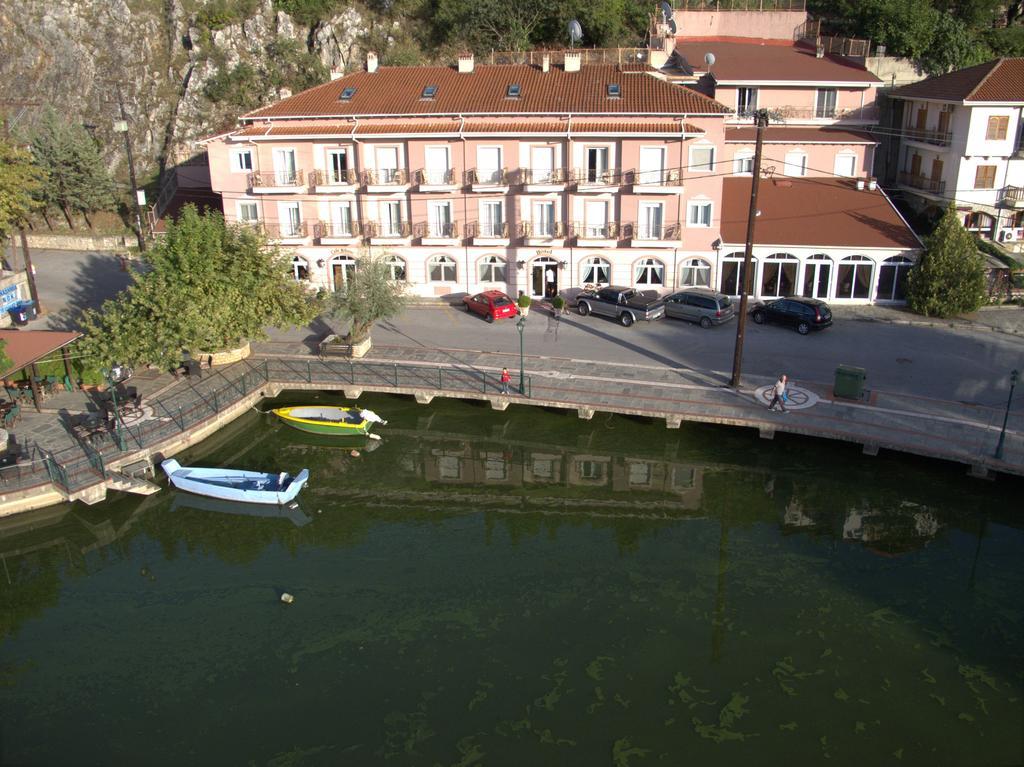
(336, 230)
(396, 230)
(793, 112)
(275, 179)
(540, 176)
(591, 177)
(654, 232)
(386, 177)
(1013, 196)
(934, 137)
(346, 177)
(551, 230)
(606, 231)
(436, 230)
(497, 230)
(435, 177)
(663, 177)
(935, 186)
(487, 177)
(286, 230)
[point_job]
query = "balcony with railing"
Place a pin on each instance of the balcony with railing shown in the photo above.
(436, 180)
(790, 112)
(543, 179)
(488, 232)
(275, 181)
(594, 180)
(605, 234)
(931, 137)
(385, 179)
(286, 231)
(437, 232)
(653, 235)
(384, 232)
(934, 186)
(541, 232)
(488, 179)
(1013, 196)
(337, 232)
(333, 180)
(661, 181)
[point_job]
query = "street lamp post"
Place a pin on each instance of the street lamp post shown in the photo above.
(521, 326)
(1014, 375)
(114, 376)
(121, 126)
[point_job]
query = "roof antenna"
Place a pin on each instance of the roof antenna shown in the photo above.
(575, 33)
(709, 61)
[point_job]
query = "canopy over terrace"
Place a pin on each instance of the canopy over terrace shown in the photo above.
(26, 347)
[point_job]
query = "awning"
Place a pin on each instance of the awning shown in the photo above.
(23, 347)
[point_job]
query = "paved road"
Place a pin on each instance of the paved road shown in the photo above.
(957, 365)
(72, 280)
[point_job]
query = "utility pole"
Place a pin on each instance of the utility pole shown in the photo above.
(30, 273)
(122, 127)
(761, 121)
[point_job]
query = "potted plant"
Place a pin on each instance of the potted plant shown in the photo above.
(524, 304)
(558, 304)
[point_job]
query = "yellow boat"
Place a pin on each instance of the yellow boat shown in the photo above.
(328, 419)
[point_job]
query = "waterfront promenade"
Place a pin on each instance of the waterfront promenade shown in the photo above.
(180, 413)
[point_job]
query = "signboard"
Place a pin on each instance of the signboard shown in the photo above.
(141, 197)
(9, 296)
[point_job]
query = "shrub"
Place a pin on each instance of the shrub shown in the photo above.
(949, 277)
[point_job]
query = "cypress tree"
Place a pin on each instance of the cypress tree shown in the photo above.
(949, 277)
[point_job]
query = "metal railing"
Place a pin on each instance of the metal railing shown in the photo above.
(497, 230)
(585, 177)
(557, 58)
(935, 137)
(1013, 195)
(607, 231)
(658, 233)
(487, 176)
(935, 186)
(442, 230)
(663, 177)
(741, 5)
(286, 231)
(346, 177)
(397, 229)
(543, 176)
(275, 178)
(553, 230)
(325, 229)
(792, 112)
(435, 177)
(386, 177)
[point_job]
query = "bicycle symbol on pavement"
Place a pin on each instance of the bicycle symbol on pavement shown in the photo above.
(796, 397)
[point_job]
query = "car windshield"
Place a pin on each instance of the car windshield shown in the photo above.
(501, 301)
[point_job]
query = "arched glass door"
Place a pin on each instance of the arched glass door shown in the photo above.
(544, 278)
(817, 277)
(892, 279)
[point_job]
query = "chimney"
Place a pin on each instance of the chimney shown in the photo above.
(860, 184)
(545, 62)
(284, 93)
(572, 61)
(371, 62)
(819, 52)
(337, 74)
(872, 183)
(465, 62)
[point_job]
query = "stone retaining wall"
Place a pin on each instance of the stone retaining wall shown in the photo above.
(77, 242)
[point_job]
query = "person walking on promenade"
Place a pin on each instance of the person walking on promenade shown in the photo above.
(506, 379)
(779, 394)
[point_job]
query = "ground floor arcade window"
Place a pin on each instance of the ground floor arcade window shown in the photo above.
(649, 271)
(732, 274)
(396, 267)
(300, 269)
(778, 275)
(817, 276)
(695, 273)
(342, 267)
(442, 269)
(892, 279)
(492, 269)
(596, 271)
(854, 278)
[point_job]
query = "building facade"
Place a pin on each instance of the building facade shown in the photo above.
(549, 176)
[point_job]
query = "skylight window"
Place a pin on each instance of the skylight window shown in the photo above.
(348, 93)
(429, 92)
(614, 91)
(513, 91)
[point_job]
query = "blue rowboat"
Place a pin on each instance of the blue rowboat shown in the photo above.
(235, 484)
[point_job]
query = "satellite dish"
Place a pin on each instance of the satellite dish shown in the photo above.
(672, 26)
(575, 32)
(666, 11)
(709, 60)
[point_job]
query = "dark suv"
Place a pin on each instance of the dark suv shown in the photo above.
(803, 314)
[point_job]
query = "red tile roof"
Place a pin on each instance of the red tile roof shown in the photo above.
(814, 212)
(998, 80)
(293, 128)
(398, 91)
(24, 347)
(780, 134)
(756, 62)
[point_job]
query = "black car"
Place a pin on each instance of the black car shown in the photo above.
(803, 314)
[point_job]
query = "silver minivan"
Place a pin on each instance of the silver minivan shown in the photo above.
(702, 305)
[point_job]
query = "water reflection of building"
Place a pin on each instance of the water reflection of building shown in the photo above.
(893, 531)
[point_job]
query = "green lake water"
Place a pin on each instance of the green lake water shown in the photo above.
(524, 588)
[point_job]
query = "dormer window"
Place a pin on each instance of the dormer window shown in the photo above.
(429, 92)
(614, 91)
(347, 94)
(513, 91)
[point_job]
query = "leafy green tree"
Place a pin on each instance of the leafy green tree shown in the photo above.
(208, 287)
(949, 277)
(75, 178)
(368, 296)
(953, 46)
(5, 362)
(20, 181)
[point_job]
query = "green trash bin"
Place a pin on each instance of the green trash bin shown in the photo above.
(849, 382)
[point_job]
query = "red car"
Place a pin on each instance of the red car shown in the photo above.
(492, 305)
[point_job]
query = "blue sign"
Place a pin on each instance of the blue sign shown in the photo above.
(9, 296)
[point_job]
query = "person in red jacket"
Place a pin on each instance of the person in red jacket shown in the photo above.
(506, 378)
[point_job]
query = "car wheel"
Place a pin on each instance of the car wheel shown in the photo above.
(705, 322)
(625, 319)
(758, 317)
(584, 309)
(803, 328)
(489, 318)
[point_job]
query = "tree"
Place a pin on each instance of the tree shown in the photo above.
(368, 296)
(953, 46)
(949, 277)
(209, 287)
(5, 362)
(75, 178)
(20, 181)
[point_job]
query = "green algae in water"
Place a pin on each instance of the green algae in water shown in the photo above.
(623, 752)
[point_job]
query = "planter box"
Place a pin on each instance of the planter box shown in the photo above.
(333, 346)
(225, 357)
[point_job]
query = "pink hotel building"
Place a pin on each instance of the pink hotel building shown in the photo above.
(548, 176)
